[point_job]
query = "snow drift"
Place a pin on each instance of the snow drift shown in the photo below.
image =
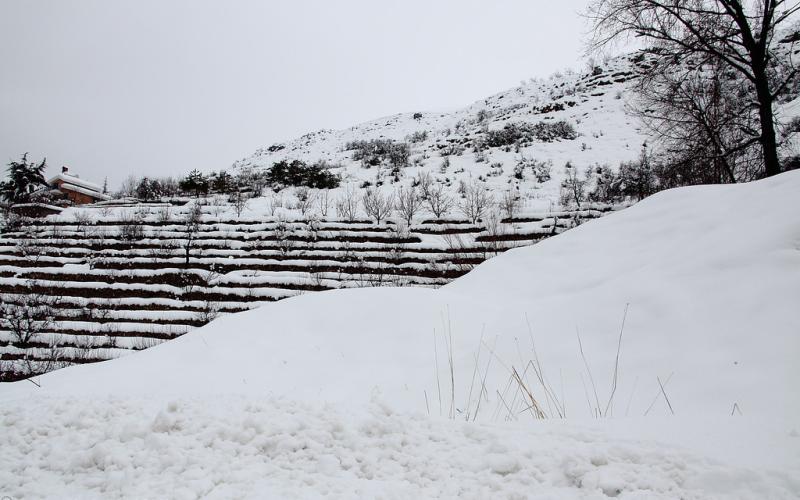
(710, 277)
(711, 273)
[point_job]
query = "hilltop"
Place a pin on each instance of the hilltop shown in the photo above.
(468, 145)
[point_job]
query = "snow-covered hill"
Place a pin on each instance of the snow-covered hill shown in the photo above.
(343, 393)
(593, 102)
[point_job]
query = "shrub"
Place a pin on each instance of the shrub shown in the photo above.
(539, 169)
(375, 152)
(522, 133)
(418, 136)
(130, 228)
(253, 180)
(637, 179)
(298, 173)
(605, 185)
(482, 115)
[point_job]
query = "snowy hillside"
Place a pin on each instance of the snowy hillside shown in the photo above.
(690, 294)
(593, 103)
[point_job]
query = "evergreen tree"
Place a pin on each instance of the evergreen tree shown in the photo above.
(195, 183)
(148, 190)
(23, 179)
(222, 182)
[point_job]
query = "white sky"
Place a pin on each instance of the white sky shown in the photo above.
(160, 87)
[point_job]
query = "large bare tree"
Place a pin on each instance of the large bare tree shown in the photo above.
(737, 33)
(704, 122)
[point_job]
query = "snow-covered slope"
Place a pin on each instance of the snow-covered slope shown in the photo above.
(712, 278)
(593, 102)
(711, 273)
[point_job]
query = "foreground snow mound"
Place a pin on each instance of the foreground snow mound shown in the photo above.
(711, 275)
(239, 447)
(345, 393)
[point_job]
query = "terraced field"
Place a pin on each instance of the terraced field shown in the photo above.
(100, 287)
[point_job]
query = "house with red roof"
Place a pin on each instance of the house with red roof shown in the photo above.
(77, 190)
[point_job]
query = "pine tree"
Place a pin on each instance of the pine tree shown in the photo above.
(23, 179)
(222, 182)
(146, 190)
(195, 183)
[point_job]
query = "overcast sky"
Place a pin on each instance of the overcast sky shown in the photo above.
(161, 87)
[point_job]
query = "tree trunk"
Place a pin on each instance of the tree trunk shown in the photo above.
(769, 143)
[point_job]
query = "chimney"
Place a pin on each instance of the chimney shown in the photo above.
(64, 169)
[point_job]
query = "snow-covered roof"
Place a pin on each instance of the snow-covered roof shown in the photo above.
(76, 181)
(37, 205)
(88, 192)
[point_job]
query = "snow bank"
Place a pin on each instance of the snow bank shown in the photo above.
(281, 449)
(711, 276)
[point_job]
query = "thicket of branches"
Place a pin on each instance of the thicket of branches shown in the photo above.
(713, 74)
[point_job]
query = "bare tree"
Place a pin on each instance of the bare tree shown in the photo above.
(736, 33)
(509, 203)
(274, 202)
(283, 239)
(164, 215)
(239, 201)
(705, 125)
(460, 252)
(28, 317)
(425, 181)
(573, 188)
(323, 202)
(475, 202)
(376, 204)
(407, 203)
(347, 205)
(495, 231)
(83, 221)
(29, 245)
(192, 224)
(131, 226)
(438, 201)
(305, 199)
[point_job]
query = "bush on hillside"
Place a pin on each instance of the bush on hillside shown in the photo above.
(298, 173)
(523, 133)
(635, 180)
(418, 136)
(539, 169)
(375, 152)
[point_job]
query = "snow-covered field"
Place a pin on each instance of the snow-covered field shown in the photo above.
(460, 391)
